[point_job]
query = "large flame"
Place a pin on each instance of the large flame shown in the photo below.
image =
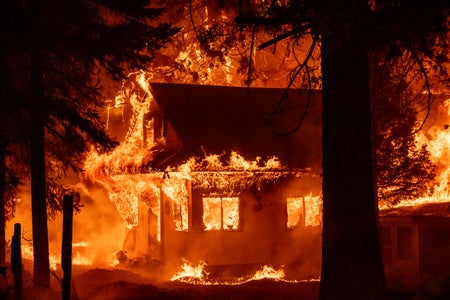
(437, 141)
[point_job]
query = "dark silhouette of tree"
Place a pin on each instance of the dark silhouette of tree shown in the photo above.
(58, 53)
(404, 170)
(14, 156)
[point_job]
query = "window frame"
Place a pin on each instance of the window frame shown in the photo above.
(222, 226)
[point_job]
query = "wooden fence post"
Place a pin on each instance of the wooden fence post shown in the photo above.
(66, 249)
(16, 261)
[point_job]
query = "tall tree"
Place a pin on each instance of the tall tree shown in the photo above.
(58, 60)
(404, 170)
(351, 257)
(13, 121)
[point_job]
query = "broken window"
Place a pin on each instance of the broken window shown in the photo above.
(220, 213)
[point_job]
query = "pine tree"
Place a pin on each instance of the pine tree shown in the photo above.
(59, 53)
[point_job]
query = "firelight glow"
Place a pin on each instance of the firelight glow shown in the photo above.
(196, 274)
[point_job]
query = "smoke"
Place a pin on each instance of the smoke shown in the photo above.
(98, 230)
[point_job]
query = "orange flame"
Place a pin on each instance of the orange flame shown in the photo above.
(196, 274)
(437, 141)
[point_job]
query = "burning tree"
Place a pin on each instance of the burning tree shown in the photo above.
(403, 166)
(55, 53)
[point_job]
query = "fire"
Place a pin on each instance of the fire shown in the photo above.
(294, 211)
(437, 141)
(141, 194)
(78, 259)
(196, 274)
(221, 213)
(269, 273)
(123, 174)
(313, 210)
(306, 210)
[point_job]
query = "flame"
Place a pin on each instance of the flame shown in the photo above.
(437, 141)
(78, 258)
(196, 274)
(268, 272)
(122, 172)
(294, 211)
(221, 213)
(130, 184)
(306, 209)
(313, 210)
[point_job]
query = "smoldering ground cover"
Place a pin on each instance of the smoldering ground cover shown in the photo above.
(140, 289)
(103, 284)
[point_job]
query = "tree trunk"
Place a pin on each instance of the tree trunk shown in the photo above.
(351, 258)
(41, 273)
(2, 205)
(66, 248)
(16, 260)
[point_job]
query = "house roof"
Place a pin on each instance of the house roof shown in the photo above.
(439, 209)
(222, 118)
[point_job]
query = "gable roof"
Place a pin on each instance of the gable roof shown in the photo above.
(220, 118)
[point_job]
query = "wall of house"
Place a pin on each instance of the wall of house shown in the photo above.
(262, 236)
(415, 250)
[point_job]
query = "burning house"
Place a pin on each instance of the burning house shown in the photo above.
(229, 177)
(207, 174)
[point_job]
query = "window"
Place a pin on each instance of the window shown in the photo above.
(220, 213)
(404, 243)
(295, 211)
(306, 211)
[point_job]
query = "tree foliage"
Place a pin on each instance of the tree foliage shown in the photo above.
(56, 55)
(83, 43)
(404, 169)
(405, 63)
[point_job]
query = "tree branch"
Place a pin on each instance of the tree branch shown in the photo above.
(427, 87)
(278, 109)
(285, 35)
